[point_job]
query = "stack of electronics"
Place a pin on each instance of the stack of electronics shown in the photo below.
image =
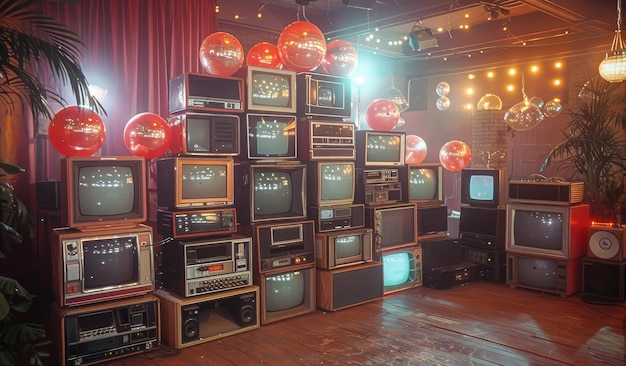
(482, 224)
(103, 267)
(604, 280)
(547, 232)
(206, 266)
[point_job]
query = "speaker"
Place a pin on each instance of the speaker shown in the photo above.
(360, 4)
(349, 286)
(422, 39)
(607, 242)
(603, 281)
(49, 195)
(418, 95)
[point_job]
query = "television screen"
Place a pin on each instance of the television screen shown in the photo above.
(203, 181)
(285, 291)
(483, 187)
(536, 272)
(376, 148)
(273, 192)
(396, 268)
(331, 183)
(348, 246)
(423, 184)
(103, 191)
(270, 90)
(324, 95)
(537, 229)
(204, 134)
(110, 262)
(271, 136)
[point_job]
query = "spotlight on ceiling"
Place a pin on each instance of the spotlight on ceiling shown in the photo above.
(422, 39)
(505, 11)
(360, 4)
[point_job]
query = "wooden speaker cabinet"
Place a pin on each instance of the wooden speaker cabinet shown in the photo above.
(349, 286)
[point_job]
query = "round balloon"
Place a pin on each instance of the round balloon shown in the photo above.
(552, 108)
(442, 89)
(416, 149)
(455, 155)
(341, 58)
(382, 115)
(523, 116)
(537, 101)
(221, 54)
(443, 103)
(301, 46)
(76, 131)
(264, 54)
(147, 135)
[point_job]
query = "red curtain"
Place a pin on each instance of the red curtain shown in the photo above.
(132, 48)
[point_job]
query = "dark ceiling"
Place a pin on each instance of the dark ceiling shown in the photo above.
(467, 33)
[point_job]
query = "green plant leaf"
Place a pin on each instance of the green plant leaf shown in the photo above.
(4, 307)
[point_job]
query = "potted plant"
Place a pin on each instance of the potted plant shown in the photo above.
(594, 147)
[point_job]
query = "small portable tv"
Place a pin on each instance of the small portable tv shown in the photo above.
(269, 89)
(423, 184)
(204, 134)
(98, 266)
(553, 231)
(206, 93)
(483, 187)
(330, 183)
(483, 227)
(286, 293)
(402, 269)
(184, 182)
(271, 192)
(380, 148)
(271, 137)
(552, 275)
(323, 95)
(394, 225)
(343, 248)
(99, 192)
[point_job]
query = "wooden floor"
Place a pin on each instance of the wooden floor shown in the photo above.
(484, 323)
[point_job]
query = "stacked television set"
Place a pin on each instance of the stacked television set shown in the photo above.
(546, 235)
(482, 224)
(206, 284)
(102, 261)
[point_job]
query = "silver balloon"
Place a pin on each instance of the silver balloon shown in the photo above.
(537, 101)
(489, 102)
(443, 103)
(401, 122)
(523, 116)
(552, 108)
(442, 89)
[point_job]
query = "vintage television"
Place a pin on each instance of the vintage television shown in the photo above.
(483, 227)
(432, 221)
(286, 293)
(323, 95)
(380, 148)
(423, 184)
(348, 286)
(96, 266)
(483, 187)
(402, 269)
(394, 225)
(204, 134)
(604, 282)
(96, 333)
(330, 183)
(343, 248)
(186, 322)
(270, 90)
(270, 192)
(552, 275)
(270, 137)
(184, 182)
(547, 230)
(99, 192)
(206, 93)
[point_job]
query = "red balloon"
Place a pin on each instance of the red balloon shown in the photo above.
(76, 131)
(147, 135)
(382, 115)
(301, 46)
(221, 54)
(264, 54)
(415, 149)
(455, 155)
(341, 58)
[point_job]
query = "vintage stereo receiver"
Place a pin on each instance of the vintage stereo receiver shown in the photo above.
(373, 176)
(94, 333)
(491, 263)
(331, 218)
(343, 248)
(325, 140)
(546, 192)
(194, 223)
(206, 266)
(349, 286)
(206, 93)
(283, 245)
(378, 193)
(455, 275)
(191, 321)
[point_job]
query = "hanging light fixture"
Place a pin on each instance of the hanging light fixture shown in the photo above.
(613, 67)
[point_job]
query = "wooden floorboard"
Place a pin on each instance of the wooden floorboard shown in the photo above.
(484, 323)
